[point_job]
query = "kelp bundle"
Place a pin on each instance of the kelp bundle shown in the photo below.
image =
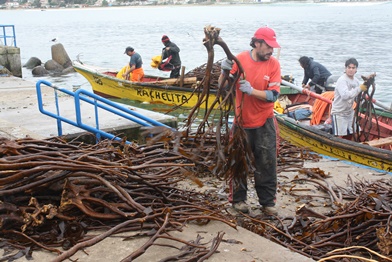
(365, 112)
(232, 157)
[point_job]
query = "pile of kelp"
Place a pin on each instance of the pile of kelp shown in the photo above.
(55, 195)
(358, 227)
(54, 192)
(200, 72)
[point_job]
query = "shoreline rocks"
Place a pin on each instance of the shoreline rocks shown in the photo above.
(60, 64)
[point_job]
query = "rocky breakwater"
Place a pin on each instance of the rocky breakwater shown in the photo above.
(60, 64)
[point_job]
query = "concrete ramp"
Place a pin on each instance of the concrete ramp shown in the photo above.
(20, 115)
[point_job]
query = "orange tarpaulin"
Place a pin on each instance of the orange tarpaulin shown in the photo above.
(320, 106)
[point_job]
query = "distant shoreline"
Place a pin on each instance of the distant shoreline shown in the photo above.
(338, 3)
(140, 6)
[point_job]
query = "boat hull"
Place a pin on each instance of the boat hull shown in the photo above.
(326, 144)
(302, 134)
(111, 87)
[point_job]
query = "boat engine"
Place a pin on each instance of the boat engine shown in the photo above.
(330, 84)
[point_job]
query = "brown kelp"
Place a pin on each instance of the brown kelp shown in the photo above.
(53, 193)
(232, 157)
(357, 228)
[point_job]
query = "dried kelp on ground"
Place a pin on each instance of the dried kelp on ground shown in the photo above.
(357, 227)
(53, 193)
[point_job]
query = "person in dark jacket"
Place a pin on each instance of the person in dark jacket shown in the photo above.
(170, 57)
(316, 72)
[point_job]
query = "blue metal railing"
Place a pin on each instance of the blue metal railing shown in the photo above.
(97, 102)
(9, 35)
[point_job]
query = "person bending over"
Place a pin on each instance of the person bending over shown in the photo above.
(316, 72)
(135, 66)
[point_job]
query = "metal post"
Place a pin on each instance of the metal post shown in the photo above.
(14, 35)
(5, 37)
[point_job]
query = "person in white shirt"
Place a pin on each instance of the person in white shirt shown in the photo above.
(342, 112)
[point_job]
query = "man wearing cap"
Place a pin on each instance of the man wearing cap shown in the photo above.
(135, 66)
(170, 57)
(256, 93)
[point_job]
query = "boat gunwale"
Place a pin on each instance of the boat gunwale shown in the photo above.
(324, 137)
(100, 72)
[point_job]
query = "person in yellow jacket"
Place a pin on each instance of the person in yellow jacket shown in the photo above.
(135, 66)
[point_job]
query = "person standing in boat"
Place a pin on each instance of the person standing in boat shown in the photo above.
(316, 72)
(342, 112)
(257, 95)
(135, 66)
(170, 57)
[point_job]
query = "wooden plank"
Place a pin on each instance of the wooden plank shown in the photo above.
(380, 142)
(175, 81)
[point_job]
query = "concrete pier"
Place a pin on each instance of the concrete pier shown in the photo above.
(20, 116)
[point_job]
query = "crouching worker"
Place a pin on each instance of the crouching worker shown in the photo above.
(316, 72)
(135, 66)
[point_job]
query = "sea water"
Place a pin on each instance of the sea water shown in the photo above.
(329, 32)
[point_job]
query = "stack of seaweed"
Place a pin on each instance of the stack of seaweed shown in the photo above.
(357, 227)
(52, 192)
(200, 72)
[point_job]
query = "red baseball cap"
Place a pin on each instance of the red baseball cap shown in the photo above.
(268, 35)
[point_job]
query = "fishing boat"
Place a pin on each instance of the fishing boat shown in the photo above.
(375, 151)
(152, 89)
(312, 132)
